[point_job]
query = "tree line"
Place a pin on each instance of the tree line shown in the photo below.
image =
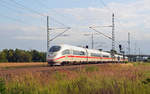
(18, 55)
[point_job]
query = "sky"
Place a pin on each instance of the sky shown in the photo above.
(23, 23)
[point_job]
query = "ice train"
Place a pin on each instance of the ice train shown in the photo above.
(67, 54)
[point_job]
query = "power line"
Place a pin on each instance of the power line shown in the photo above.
(101, 33)
(41, 3)
(46, 7)
(34, 11)
(23, 7)
(4, 4)
(58, 21)
(14, 19)
(59, 34)
(18, 20)
(108, 8)
(26, 8)
(117, 42)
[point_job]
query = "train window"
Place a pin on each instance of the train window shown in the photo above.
(105, 56)
(54, 48)
(82, 53)
(95, 55)
(66, 52)
(78, 53)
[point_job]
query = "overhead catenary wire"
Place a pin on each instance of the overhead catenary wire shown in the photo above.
(19, 21)
(19, 5)
(46, 7)
(111, 11)
(59, 34)
(108, 8)
(41, 2)
(107, 36)
(101, 33)
(5, 5)
(27, 8)
(35, 12)
(14, 19)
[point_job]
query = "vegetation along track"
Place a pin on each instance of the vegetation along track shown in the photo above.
(131, 78)
(48, 69)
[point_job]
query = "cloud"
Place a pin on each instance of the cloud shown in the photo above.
(22, 32)
(130, 17)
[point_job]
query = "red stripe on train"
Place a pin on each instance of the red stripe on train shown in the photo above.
(89, 57)
(57, 58)
(80, 57)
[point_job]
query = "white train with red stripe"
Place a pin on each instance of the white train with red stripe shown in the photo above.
(67, 54)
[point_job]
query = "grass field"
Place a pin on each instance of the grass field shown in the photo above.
(96, 79)
(24, 64)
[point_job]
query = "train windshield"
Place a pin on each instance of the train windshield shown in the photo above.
(54, 48)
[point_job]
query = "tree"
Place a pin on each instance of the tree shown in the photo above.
(18, 55)
(22, 56)
(10, 55)
(35, 56)
(3, 57)
(27, 57)
(43, 57)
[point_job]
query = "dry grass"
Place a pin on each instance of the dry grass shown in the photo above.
(23, 64)
(90, 79)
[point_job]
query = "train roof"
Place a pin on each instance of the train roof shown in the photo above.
(66, 46)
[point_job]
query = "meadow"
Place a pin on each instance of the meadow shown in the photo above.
(131, 78)
(23, 64)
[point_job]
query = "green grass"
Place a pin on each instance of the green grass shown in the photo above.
(81, 85)
(141, 63)
(91, 68)
(91, 80)
(2, 86)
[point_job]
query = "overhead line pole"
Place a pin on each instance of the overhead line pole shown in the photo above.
(92, 41)
(129, 45)
(48, 42)
(113, 36)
